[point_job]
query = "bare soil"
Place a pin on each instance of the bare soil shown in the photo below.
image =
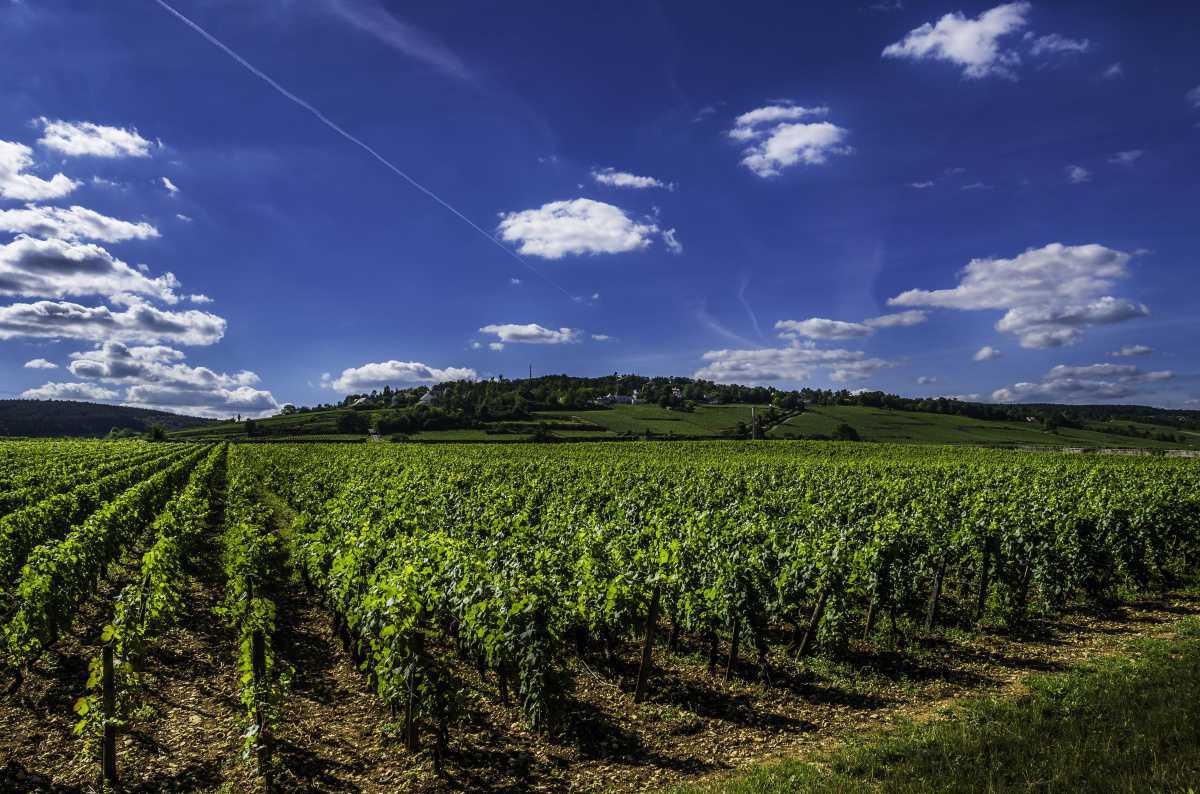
(337, 736)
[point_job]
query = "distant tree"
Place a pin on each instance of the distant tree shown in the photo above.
(352, 423)
(251, 427)
(287, 410)
(156, 433)
(845, 432)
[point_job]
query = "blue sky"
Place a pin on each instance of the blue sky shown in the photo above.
(931, 198)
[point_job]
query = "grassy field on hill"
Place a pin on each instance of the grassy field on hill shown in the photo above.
(720, 421)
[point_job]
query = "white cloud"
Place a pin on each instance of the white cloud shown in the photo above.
(1193, 97)
(157, 377)
(170, 186)
(138, 323)
(776, 141)
(977, 186)
(1113, 71)
(921, 185)
(531, 334)
(614, 178)
(74, 223)
(771, 114)
(1055, 44)
(1129, 351)
(1049, 294)
(821, 328)
(898, 319)
(199, 298)
(497, 346)
(1077, 383)
(925, 380)
(83, 138)
(40, 363)
(516, 282)
(964, 398)
(70, 391)
(973, 44)
(58, 268)
(795, 362)
(392, 373)
(184, 218)
(672, 242)
(15, 158)
(579, 226)
(601, 337)
(1077, 174)
(1128, 157)
(987, 353)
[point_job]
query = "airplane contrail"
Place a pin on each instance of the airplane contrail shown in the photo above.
(266, 78)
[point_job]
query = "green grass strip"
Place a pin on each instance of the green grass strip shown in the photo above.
(1123, 724)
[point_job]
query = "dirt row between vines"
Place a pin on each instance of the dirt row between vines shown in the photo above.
(336, 735)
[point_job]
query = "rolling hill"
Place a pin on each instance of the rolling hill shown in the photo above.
(53, 418)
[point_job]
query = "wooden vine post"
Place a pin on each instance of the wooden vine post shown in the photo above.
(810, 636)
(639, 693)
(108, 746)
(938, 576)
(412, 739)
(984, 570)
(258, 666)
(734, 641)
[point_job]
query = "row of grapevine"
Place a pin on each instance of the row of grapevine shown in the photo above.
(59, 474)
(151, 603)
(252, 560)
(59, 574)
(514, 560)
(48, 519)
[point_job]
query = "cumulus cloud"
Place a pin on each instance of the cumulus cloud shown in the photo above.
(90, 392)
(156, 376)
(795, 362)
(614, 178)
(898, 319)
(578, 226)
(199, 297)
(821, 328)
(1128, 157)
(392, 373)
(40, 363)
(1082, 383)
(1077, 174)
(15, 183)
(987, 353)
(973, 44)
(170, 186)
(73, 223)
(139, 323)
(1049, 294)
(532, 334)
(925, 380)
(775, 140)
(1055, 44)
(54, 268)
(83, 138)
(1129, 351)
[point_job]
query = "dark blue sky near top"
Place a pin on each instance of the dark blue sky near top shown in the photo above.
(323, 261)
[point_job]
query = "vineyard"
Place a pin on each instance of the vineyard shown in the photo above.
(538, 616)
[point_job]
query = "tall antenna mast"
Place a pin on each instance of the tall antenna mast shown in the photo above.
(531, 372)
